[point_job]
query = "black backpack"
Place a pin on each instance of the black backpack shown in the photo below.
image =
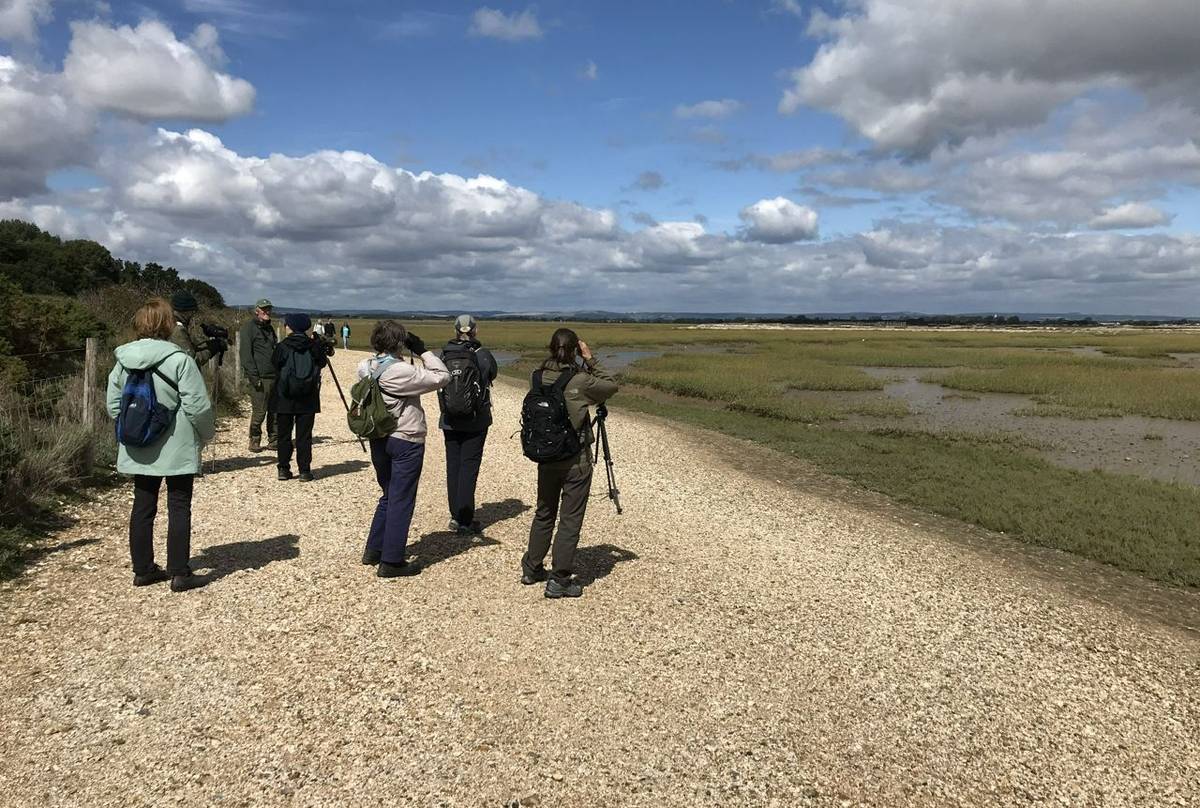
(299, 377)
(464, 396)
(547, 433)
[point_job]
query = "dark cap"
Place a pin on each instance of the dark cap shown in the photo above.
(263, 303)
(183, 300)
(298, 322)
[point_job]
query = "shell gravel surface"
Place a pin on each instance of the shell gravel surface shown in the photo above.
(740, 642)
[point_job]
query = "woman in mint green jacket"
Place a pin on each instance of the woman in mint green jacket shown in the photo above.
(179, 387)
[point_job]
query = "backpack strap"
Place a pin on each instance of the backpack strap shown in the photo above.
(536, 380)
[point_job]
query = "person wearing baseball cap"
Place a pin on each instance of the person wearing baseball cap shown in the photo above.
(296, 396)
(256, 347)
(184, 304)
(466, 405)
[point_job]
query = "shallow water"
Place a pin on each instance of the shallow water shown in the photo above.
(1153, 448)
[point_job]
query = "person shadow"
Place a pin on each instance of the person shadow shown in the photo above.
(224, 559)
(442, 545)
(224, 464)
(493, 513)
(345, 467)
(598, 561)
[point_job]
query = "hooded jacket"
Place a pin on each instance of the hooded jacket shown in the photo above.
(306, 405)
(402, 385)
(194, 425)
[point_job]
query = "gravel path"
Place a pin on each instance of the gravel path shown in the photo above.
(743, 642)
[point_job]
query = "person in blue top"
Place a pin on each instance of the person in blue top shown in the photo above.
(175, 457)
(345, 336)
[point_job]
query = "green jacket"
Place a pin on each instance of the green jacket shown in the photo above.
(592, 384)
(193, 425)
(184, 337)
(256, 347)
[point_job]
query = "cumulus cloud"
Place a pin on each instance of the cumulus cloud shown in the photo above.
(911, 75)
(708, 109)
(146, 72)
(778, 221)
(41, 128)
(19, 19)
(1130, 216)
(495, 24)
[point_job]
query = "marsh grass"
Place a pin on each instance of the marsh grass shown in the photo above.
(991, 482)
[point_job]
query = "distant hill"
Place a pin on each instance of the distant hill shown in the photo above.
(599, 315)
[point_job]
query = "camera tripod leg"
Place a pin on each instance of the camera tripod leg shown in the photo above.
(342, 395)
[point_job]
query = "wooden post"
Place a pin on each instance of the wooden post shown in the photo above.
(90, 349)
(237, 367)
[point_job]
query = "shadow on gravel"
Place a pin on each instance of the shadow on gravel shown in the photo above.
(345, 467)
(595, 562)
(265, 458)
(443, 545)
(494, 512)
(224, 559)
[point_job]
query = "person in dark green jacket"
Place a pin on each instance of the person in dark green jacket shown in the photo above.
(185, 307)
(563, 486)
(256, 348)
(178, 386)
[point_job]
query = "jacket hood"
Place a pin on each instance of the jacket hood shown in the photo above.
(144, 353)
(298, 342)
(473, 344)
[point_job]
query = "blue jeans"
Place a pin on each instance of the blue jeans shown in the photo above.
(398, 470)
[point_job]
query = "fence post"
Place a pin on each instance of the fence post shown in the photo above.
(90, 350)
(237, 366)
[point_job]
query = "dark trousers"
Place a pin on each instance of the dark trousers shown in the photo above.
(259, 411)
(304, 428)
(464, 453)
(397, 470)
(179, 523)
(563, 490)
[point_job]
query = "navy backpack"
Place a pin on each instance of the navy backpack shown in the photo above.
(142, 421)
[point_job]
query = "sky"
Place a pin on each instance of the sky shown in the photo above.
(706, 156)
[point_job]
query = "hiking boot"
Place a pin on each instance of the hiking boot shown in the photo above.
(154, 576)
(306, 477)
(371, 557)
(182, 583)
(285, 474)
(563, 589)
(272, 446)
(536, 577)
(255, 445)
(475, 528)
(404, 570)
(453, 526)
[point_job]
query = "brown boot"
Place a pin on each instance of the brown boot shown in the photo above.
(256, 444)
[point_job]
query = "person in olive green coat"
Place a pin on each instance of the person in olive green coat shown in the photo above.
(179, 387)
(182, 334)
(256, 349)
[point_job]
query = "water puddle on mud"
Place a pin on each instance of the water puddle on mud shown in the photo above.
(1153, 448)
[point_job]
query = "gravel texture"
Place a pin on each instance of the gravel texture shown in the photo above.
(741, 642)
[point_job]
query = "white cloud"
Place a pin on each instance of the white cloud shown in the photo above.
(41, 128)
(708, 109)
(147, 73)
(590, 71)
(792, 7)
(778, 221)
(911, 75)
(19, 19)
(495, 24)
(1130, 216)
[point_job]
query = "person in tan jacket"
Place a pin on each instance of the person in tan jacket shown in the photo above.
(564, 485)
(399, 457)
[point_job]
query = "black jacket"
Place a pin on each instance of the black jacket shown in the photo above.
(302, 343)
(487, 375)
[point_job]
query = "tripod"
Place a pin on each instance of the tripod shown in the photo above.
(338, 385)
(602, 443)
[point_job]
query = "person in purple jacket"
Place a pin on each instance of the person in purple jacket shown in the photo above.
(398, 458)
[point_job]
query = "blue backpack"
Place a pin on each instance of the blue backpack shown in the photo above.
(142, 421)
